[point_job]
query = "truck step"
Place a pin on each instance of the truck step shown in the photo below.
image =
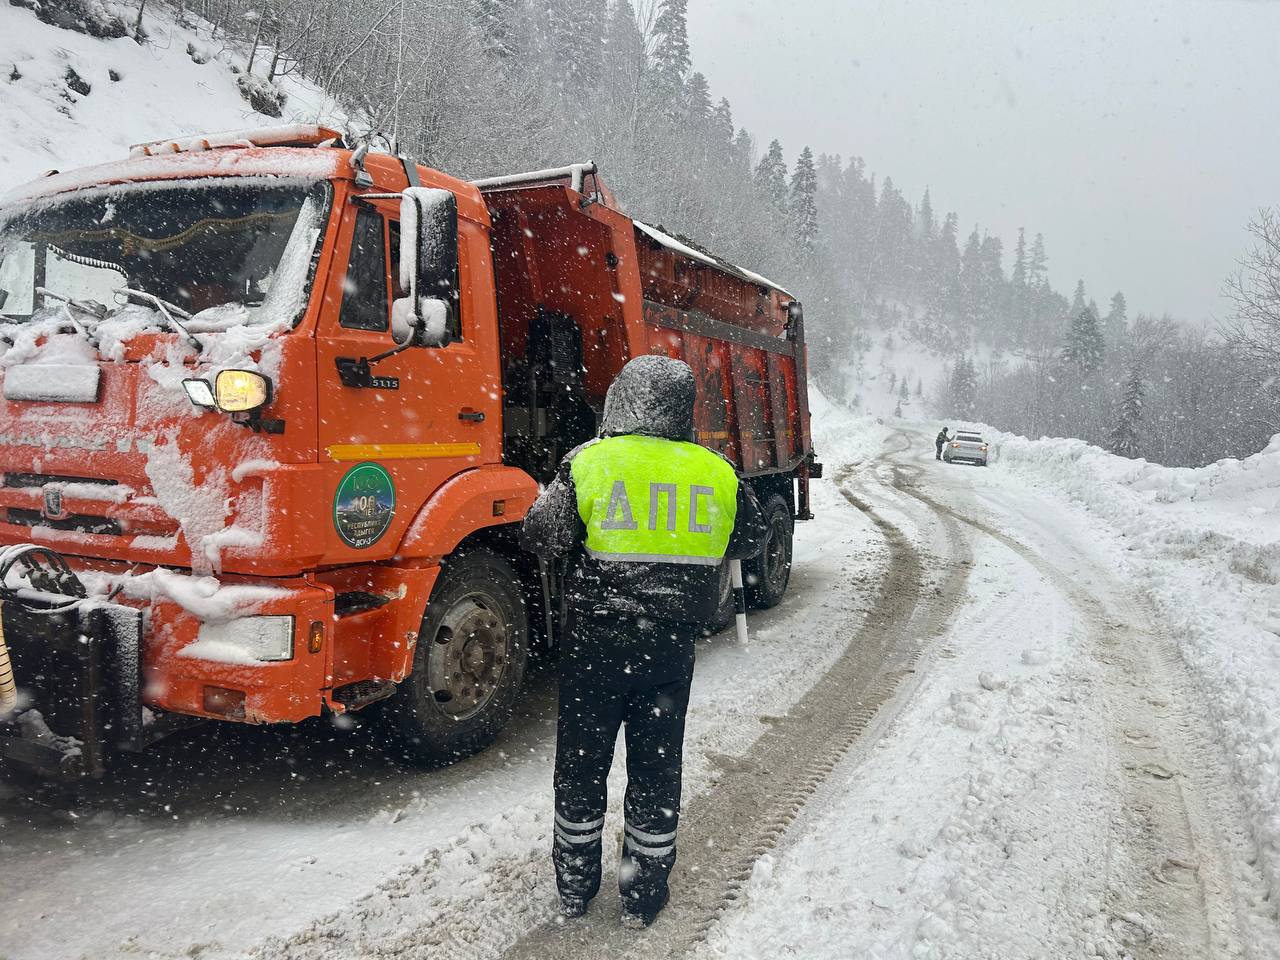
(353, 696)
(357, 601)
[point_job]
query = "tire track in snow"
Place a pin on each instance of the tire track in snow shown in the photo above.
(726, 831)
(1175, 893)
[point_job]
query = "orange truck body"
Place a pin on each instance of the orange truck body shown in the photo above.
(455, 434)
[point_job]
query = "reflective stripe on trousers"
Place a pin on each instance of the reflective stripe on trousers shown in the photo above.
(576, 832)
(648, 844)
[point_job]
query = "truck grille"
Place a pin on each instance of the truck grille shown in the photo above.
(81, 523)
(90, 505)
(21, 480)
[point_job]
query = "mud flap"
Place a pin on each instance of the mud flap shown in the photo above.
(79, 675)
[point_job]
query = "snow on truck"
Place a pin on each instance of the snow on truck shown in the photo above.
(273, 410)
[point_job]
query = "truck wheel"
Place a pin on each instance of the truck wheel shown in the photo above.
(724, 602)
(766, 575)
(469, 662)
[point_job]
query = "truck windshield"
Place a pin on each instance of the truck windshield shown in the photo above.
(227, 251)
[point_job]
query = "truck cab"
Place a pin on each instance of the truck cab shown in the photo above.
(252, 437)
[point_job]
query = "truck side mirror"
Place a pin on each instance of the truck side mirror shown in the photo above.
(428, 267)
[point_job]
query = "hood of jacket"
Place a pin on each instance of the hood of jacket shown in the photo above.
(651, 395)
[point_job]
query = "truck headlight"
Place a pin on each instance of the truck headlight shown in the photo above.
(246, 638)
(240, 391)
(199, 392)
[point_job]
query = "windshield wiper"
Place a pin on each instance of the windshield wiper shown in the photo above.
(91, 307)
(167, 310)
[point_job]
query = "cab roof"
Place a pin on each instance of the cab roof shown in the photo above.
(296, 151)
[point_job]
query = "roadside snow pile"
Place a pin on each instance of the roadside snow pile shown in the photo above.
(68, 98)
(842, 437)
(1204, 544)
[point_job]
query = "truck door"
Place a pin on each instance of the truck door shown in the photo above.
(422, 415)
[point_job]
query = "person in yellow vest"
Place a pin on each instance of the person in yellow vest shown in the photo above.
(646, 519)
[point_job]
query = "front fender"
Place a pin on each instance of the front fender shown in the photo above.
(483, 497)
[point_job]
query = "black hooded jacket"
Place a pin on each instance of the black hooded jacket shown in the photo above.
(654, 396)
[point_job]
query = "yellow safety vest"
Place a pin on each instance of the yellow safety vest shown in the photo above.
(647, 499)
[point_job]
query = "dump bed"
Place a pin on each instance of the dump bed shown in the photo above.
(582, 288)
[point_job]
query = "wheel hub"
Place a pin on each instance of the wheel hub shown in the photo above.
(468, 657)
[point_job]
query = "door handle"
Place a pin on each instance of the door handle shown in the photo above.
(472, 416)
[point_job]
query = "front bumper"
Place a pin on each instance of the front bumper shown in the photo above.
(95, 677)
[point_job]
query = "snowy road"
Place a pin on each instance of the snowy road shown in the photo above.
(963, 734)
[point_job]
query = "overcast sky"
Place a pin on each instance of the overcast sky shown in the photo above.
(1138, 136)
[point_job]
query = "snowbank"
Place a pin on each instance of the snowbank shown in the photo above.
(840, 437)
(1204, 545)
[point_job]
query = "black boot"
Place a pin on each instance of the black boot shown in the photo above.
(635, 919)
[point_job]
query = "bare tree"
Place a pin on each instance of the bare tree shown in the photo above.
(1254, 291)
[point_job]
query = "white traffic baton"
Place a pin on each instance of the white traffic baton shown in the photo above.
(739, 600)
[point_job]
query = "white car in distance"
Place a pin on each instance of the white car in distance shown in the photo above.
(966, 446)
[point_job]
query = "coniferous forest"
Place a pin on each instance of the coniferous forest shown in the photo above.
(482, 87)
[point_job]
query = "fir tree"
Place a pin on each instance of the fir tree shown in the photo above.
(722, 122)
(1038, 264)
(742, 149)
(1116, 323)
(697, 102)
(903, 393)
(804, 205)
(1019, 276)
(926, 220)
(494, 18)
(1084, 348)
(573, 33)
(771, 177)
(964, 389)
(1124, 440)
(671, 60)
(1020, 292)
(1078, 303)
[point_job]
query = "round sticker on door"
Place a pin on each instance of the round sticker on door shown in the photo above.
(364, 505)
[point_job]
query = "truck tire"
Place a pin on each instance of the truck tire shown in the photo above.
(765, 576)
(724, 602)
(469, 663)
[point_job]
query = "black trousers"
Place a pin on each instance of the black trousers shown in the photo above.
(937, 451)
(631, 672)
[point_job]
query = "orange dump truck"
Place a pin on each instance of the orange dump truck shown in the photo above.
(273, 410)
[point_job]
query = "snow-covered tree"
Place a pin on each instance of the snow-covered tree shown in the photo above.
(771, 178)
(1078, 302)
(804, 207)
(671, 60)
(1083, 348)
(963, 389)
(1124, 439)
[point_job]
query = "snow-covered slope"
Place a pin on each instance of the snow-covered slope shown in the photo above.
(69, 99)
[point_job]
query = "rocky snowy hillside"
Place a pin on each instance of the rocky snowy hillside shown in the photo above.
(68, 98)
